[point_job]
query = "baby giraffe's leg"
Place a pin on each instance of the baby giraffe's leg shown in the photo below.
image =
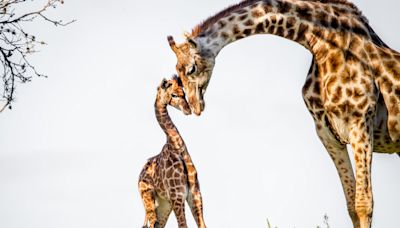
(195, 202)
(194, 198)
(147, 194)
(178, 205)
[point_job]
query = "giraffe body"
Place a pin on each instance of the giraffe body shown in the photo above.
(352, 90)
(169, 179)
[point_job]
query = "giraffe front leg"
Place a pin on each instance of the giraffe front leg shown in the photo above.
(147, 193)
(194, 198)
(195, 202)
(340, 157)
(361, 142)
(178, 205)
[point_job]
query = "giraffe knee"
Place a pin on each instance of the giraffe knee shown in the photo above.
(364, 211)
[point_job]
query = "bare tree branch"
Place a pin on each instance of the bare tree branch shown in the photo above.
(16, 45)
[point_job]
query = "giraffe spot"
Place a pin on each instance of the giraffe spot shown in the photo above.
(337, 95)
(290, 34)
(393, 107)
(392, 124)
(271, 29)
(334, 23)
(224, 35)
(385, 54)
(357, 114)
(279, 31)
(236, 30)
(322, 18)
(363, 104)
(290, 22)
(241, 18)
(221, 24)
(335, 61)
(354, 44)
(267, 23)
(304, 12)
(393, 69)
(386, 85)
(273, 19)
(239, 37)
(349, 76)
(307, 85)
(303, 28)
(259, 28)
(318, 32)
(247, 32)
(397, 92)
(267, 7)
(317, 88)
(249, 22)
(345, 25)
(349, 92)
(283, 7)
(280, 21)
(315, 102)
(358, 93)
(357, 29)
(231, 18)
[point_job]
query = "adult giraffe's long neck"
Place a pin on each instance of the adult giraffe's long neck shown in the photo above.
(299, 21)
(173, 137)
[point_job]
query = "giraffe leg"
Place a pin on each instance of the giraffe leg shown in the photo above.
(361, 142)
(178, 205)
(340, 157)
(163, 211)
(195, 202)
(147, 194)
(194, 198)
(337, 151)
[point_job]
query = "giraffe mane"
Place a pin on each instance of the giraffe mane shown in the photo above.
(196, 31)
(204, 25)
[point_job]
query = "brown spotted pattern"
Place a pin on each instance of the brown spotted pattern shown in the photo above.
(352, 90)
(170, 178)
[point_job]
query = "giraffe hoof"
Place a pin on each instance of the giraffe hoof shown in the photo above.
(145, 226)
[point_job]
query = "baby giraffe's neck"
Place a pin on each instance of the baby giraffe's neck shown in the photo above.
(174, 139)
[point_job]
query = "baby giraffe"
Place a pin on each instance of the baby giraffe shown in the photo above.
(170, 178)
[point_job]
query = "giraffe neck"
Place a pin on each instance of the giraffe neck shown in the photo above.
(173, 137)
(300, 21)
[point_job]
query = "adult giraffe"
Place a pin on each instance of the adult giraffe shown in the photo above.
(352, 89)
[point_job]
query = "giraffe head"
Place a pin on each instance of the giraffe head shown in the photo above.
(194, 66)
(170, 92)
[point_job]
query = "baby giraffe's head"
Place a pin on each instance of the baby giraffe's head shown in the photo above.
(170, 92)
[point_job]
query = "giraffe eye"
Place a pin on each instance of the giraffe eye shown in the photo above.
(192, 70)
(174, 95)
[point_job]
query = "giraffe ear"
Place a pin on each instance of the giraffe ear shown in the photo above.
(165, 84)
(192, 42)
(172, 44)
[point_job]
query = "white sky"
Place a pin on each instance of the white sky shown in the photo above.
(74, 144)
